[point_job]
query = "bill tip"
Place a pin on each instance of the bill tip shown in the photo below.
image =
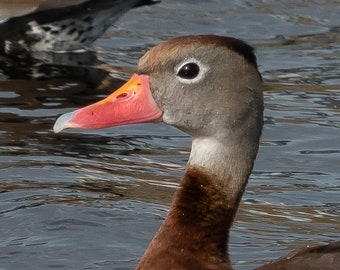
(63, 122)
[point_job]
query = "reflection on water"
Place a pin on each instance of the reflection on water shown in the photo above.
(94, 199)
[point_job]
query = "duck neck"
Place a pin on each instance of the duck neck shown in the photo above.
(196, 231)
(228, 164)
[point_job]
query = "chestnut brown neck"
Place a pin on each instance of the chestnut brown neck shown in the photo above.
(196, 231)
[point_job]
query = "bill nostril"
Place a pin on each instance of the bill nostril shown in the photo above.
(122, 95)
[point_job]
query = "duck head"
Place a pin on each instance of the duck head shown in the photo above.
(204, 85)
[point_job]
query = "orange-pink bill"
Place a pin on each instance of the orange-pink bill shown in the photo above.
(132, 103)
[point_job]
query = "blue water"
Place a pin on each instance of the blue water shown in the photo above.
(93, 200)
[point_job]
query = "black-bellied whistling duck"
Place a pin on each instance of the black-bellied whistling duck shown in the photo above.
(209, 87)
(57, 25)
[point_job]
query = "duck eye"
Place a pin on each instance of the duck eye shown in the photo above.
(189, 71)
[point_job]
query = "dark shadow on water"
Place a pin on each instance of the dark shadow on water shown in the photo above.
(82, 66)
(35, 90)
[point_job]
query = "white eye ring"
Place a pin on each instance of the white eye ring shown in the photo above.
(202, 70)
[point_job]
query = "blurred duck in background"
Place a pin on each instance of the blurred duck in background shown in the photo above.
(57, 25)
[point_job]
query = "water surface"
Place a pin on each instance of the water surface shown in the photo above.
(94, 199)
